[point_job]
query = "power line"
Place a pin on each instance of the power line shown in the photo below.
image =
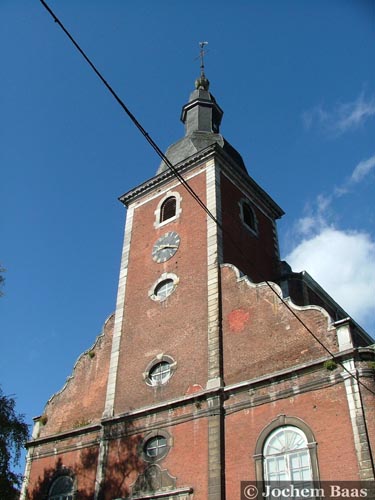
(191, 190)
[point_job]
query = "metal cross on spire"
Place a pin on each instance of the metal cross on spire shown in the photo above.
(202, 52)
(202, 82)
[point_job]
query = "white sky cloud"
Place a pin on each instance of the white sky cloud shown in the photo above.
(343, 117)
(343, 263)
(363, 169)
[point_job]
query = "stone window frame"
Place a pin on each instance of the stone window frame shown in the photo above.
(160, 358)
(163, 277)
(283, 421)
(157, 211)
(58, 475)
(254, 230)
(152, 435)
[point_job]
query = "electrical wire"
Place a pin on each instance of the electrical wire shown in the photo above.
(192, 192)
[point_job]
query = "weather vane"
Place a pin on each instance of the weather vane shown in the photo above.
(202, 52)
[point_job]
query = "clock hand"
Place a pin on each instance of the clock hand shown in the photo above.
(167, 246)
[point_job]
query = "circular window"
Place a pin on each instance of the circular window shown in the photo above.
(160, 373)
(159, 370)
(163, 287)
(156, 447)
(62, 488)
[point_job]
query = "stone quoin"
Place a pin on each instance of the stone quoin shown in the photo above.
(203, 377)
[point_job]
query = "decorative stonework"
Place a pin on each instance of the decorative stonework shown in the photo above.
(169, 194)
(119, 316)
(214, 258)
(154, 479)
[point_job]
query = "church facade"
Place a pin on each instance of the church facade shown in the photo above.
(220, 366)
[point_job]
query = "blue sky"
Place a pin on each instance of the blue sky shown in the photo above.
(296, 81)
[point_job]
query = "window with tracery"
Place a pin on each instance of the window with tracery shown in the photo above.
(61, 489)
(286, 457)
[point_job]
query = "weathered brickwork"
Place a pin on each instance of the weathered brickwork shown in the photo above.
(261, 335)
(151, 328)
(81, 401)
(254, 255)
(81, 465)
(241, 365)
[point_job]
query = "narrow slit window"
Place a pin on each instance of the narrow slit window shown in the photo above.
(249, 216)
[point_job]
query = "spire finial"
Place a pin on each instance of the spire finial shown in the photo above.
(202, 82)
(201, 54)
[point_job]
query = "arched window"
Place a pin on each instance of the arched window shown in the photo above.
(168, 209)
(286, 451)
(61, 489)
(248, 216)
(286, 457)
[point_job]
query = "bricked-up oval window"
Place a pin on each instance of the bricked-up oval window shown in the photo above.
(156, 447)
(61, 489)
(168, 209)
(160, 373)
(164, 288)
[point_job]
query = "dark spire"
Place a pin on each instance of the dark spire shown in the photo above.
(201, 113)
(201, 117)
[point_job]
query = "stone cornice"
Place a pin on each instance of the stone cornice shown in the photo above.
(245, 386)
(228, 164)
(87, 429)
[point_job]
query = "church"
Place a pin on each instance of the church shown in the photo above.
(220, 367)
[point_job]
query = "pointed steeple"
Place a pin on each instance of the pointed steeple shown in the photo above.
(202, 118)
(201, 113)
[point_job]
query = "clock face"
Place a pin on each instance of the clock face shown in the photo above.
(165, 247)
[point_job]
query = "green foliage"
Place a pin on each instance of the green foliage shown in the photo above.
(330, 365)
(14, 433)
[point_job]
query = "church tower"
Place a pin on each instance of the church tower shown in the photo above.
(202, 370)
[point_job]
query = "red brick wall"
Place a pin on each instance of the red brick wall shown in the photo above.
(81, 401)
(177, 326)
(186, 460)
(261, 336)
(368, 401)
(325, 411)
(81, 464)
(253, 255)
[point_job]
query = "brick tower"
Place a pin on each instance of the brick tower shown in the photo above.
(203, 372)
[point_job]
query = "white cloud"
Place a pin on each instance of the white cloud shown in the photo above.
(320, 214)
(362, 169)
(343, 263)
(343, 117)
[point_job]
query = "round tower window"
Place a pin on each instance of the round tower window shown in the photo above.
(156, 447)
(160, 373)
(164, 288)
